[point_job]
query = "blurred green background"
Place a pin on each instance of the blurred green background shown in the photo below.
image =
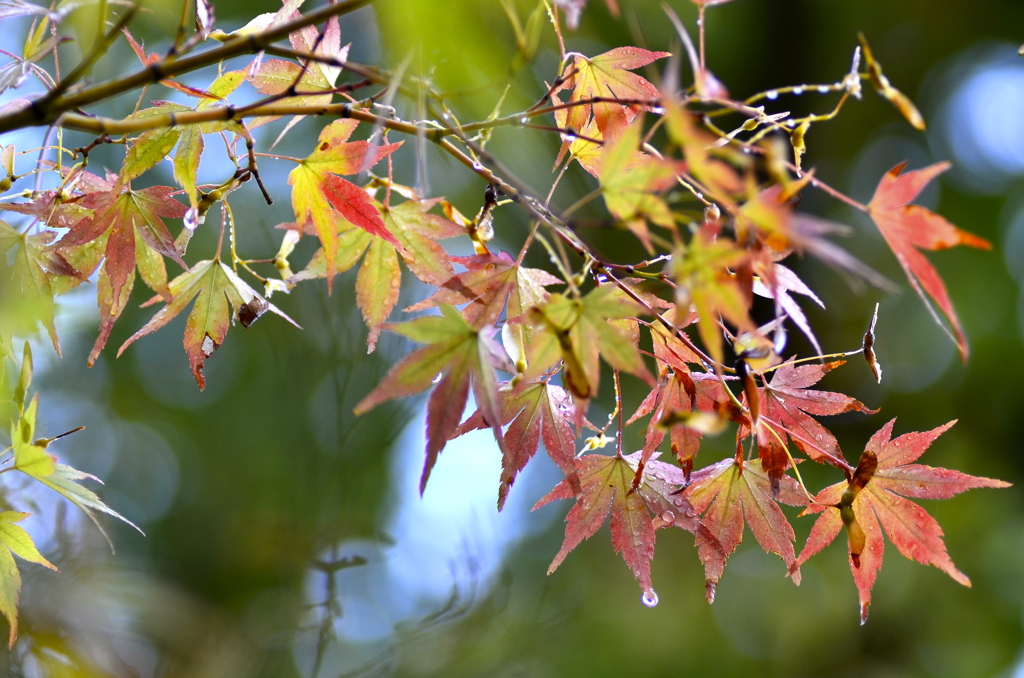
(285, 537)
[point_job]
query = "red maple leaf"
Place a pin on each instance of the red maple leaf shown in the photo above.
(786, 406)
(875, 497)
(131, 222)
(730, 493)
(907, 227)
(679, 391)
(533, 412)
(607, 488)
(660, 488)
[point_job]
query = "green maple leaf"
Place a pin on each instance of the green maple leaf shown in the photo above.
(702, 272)
(216, 289)
(16, 541)
(631, 181)
(578, 332)
(32, 459)
(457, 355)
(26, 296)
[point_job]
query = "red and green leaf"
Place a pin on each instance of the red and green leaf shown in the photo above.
(456, 357)
(216, 289)
(377, 286)
(318, 192)
(730, 493)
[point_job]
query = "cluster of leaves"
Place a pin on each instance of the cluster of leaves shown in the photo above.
(717, 208)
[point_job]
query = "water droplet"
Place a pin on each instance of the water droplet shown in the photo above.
(700, 196)
(689, 513)
(649, 598)
(700, 22)
(658, 476)
(438, 377)
(709, 590)
(191, 219)
(668, 517)
(678, 501)
(773, 95)
(477, 167)
(798, 90)
(823, 89)
(523, 120)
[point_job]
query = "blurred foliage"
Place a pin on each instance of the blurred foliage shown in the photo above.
(267, 468)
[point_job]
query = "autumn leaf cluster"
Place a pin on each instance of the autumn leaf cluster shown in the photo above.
(705, 185)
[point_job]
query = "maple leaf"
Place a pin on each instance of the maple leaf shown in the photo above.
(630, 184)
(276, 76)
(15, 541)
(486, 285)
(32, 459)
(607, 487)
(533, 411)
(213, 285)
(778, 286)
(317, 191)
(730, 493)
(461, 355)
(379, 279)
(131, 224)
(907, 227)
(876, 498)
(27, 293)
(578, 332)
(679, 391)
(702, 272)
(660, 487)
(607, 76)
(786, 405)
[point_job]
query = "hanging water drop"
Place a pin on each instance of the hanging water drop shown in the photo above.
(191, 219)
(798, 90)
(649, 598)
(523, 120)
(823, 89)
(773, 95)
(477, 167)
(668, 517)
